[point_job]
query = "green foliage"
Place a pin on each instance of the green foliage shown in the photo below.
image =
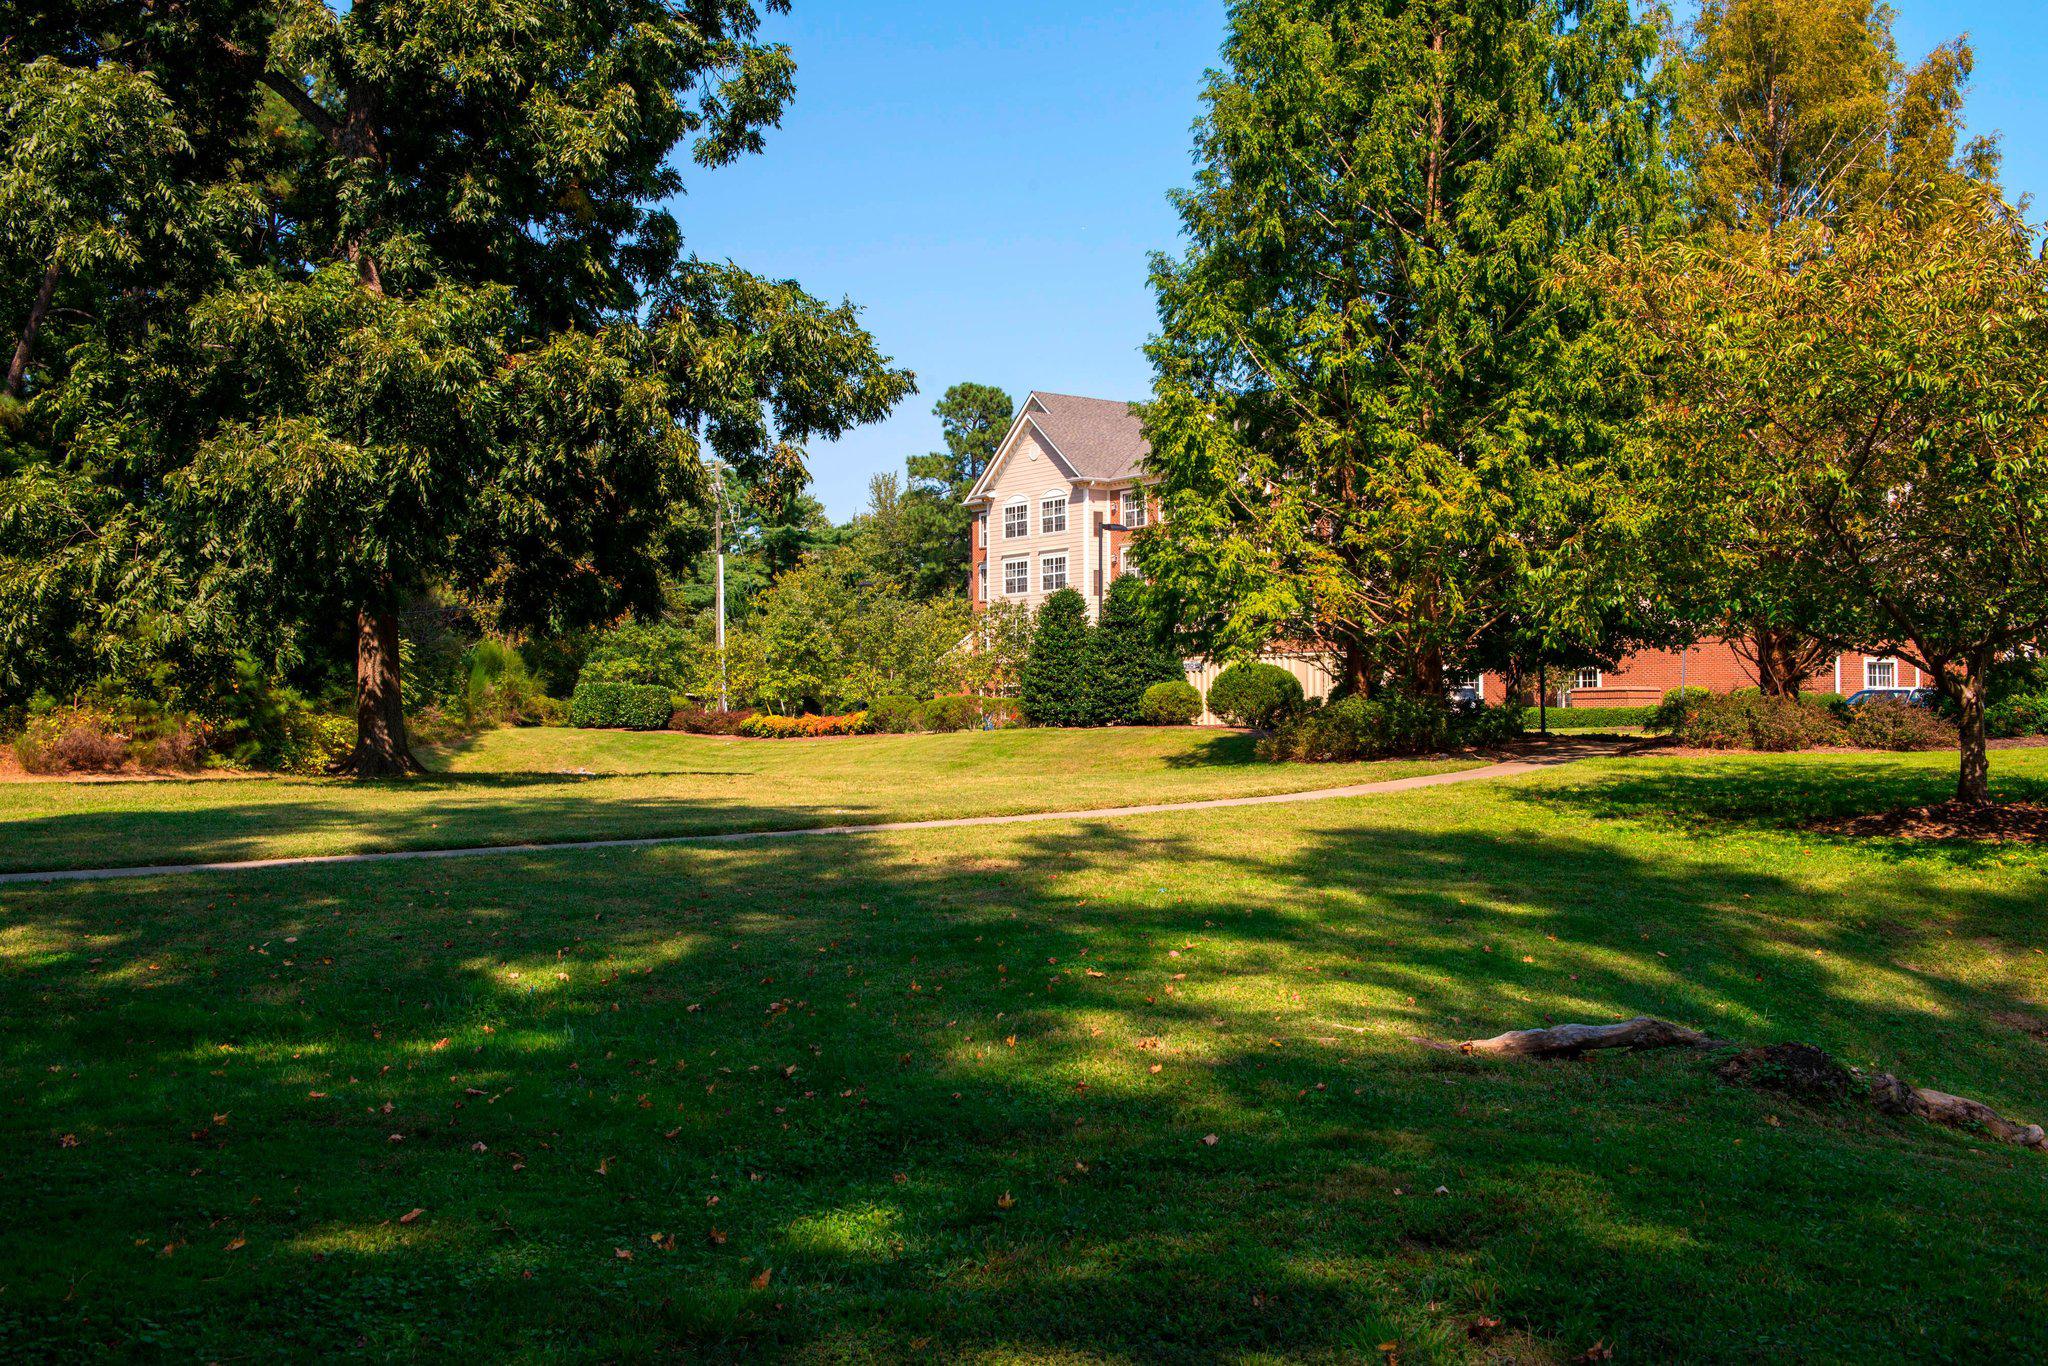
(620, 706)
(833, 638)
(2021, 715)
(1888, 723)
(1170, 704)
(896, 716)
(1394, 723)
(1056, 689)
(948, 714)
(1124, 656)
(1367, 329)
(1750, 720)
(1255, 694)
(990, 663)
(1589, 718)
(1868, 398)
(71, 740)
(500, 378)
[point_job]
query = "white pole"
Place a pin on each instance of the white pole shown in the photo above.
(718, 547)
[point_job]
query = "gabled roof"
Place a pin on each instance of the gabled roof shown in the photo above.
(1092, 439)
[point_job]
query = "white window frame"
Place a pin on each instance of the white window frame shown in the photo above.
(983, 579)
(1016, 518)
(1134, 508)
(1870, 666)
(1045, 583)
(1579, 683)
(1021, 585)
(1050, 523)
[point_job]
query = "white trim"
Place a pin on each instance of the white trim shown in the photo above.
(1599, 680)
(1066, 578)
(1008, 446)
(1890, 662)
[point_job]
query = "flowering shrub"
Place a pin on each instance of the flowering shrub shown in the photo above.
(770, 727)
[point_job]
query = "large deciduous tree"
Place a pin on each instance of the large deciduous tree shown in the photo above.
(1882, 389)
(431, 322)
(1365, 377)
(1787, 112)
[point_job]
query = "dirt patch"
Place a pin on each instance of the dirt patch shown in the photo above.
(1997, 823)
(1796, 1069)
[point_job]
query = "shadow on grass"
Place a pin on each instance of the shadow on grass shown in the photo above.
(953, 1094)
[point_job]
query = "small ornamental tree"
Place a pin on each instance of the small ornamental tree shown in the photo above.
(1056, 691)
(1877, 390)
(1124, 656)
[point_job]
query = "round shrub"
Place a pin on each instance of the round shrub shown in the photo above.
(620, 706)
(1170, 704)
(1670, 715)
(948, 714)
(1888, 723)
(896, 716)
(1255, 694)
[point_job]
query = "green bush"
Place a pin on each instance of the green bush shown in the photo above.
(948, 714)
(1056, 691)
(1170, 704)
(2026, 714)
(1749, 720)
(1888, 723)
(896, 716)
(1669, 716)
(1591, 718)
(1355, 728)
(1124, 657)
(72, 740)
(1486, 727)
(1255, 694)
(620, 706)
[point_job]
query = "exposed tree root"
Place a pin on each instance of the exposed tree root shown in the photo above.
(1570, 1040)
(1806, 1069)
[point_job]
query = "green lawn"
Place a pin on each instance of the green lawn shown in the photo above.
(517, 786)
(952, 1094)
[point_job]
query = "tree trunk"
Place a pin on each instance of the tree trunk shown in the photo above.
(381, 749)
(1427, 674)
(1973, 786)
(17, 369)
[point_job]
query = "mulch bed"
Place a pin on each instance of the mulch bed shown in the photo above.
(1998, 823)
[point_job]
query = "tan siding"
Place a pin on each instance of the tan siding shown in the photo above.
(1030, 473)
(1316, 673)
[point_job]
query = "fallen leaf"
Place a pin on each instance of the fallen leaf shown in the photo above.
(1211, 1140)
(411, 1217)
(760, 1282)
(623, 1254)
(235, 1244)
(1005, 1200)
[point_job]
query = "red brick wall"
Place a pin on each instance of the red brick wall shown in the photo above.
(1644, 678)
(977, 540)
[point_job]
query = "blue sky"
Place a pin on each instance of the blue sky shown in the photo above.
(987, 180)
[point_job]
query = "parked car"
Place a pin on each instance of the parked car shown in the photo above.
(1912, 697)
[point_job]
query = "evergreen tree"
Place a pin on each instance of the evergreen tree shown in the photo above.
(932, 528)
(1056, 691)
(1370, 420)
(1124, 656)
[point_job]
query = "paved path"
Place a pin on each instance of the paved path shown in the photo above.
(1563, 752)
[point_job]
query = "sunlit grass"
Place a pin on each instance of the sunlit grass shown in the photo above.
(896, 1097)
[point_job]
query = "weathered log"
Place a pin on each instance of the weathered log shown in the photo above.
(1890, 1094)
(1570, 1040)
(1883, 1090)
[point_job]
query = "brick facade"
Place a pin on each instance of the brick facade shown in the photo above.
(1643, 678)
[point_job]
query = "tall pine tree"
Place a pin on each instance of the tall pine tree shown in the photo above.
(1125, 658)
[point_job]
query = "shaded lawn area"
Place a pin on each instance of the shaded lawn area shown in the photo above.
(951, 1093)
(518, 786)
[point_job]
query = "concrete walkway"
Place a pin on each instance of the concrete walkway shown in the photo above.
(1537, 759)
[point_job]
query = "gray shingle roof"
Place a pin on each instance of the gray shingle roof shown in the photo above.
(1101, 438)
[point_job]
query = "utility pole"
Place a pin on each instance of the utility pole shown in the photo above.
(718, 549)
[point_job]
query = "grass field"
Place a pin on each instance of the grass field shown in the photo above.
(1131, 1091)
(518, 786)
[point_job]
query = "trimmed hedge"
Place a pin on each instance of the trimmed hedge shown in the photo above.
(1255, 694)
(1170, 704)
(771, 727)
(620, 706)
